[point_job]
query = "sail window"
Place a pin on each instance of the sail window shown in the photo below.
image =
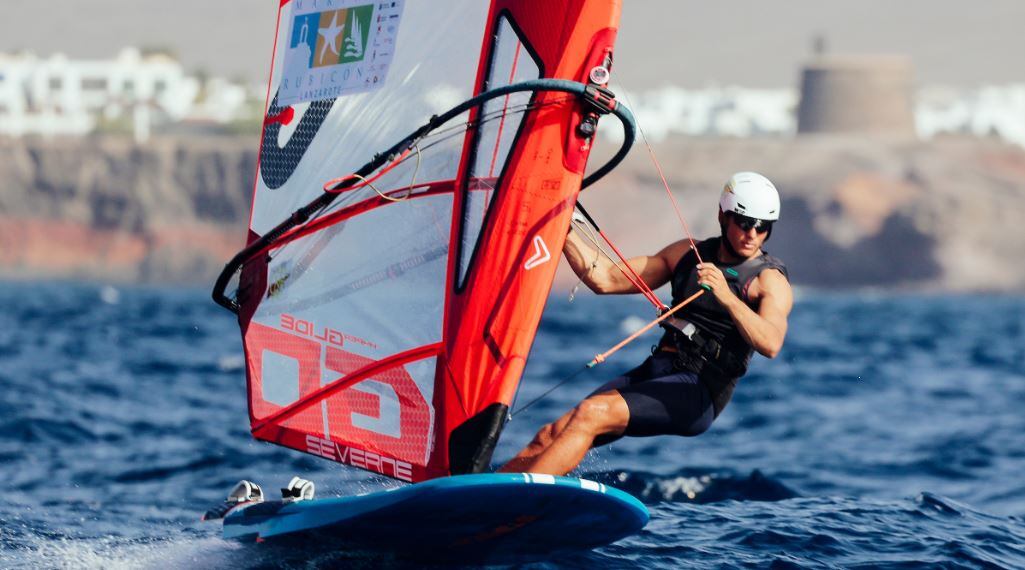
(511, 62)
(286, 368)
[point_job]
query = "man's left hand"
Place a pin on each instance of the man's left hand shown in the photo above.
(710, 275)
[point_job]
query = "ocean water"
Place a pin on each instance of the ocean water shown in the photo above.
(889, 433)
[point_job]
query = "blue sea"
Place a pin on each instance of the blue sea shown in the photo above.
(890, 433)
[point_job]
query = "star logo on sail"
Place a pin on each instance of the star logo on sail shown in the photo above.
(328, 40)
(332, 37)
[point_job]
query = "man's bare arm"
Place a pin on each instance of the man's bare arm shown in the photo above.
(766, 329)
(603, 276)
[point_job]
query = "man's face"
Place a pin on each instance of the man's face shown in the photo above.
(748, 241)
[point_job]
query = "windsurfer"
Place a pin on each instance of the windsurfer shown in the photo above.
(692, 372)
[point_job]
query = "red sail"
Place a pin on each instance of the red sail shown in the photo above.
(390, 333)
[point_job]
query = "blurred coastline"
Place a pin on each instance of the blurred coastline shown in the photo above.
(858, 210)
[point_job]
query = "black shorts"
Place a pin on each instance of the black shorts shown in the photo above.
(662, 399)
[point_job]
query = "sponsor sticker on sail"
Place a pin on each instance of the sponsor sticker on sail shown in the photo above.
(336, 47)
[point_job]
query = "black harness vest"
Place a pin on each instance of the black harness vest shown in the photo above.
(717, 352)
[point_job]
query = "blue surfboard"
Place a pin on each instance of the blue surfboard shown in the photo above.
(498, 518)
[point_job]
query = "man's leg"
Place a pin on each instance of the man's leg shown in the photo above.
(548, 432)
(559, 447)
(544, 437)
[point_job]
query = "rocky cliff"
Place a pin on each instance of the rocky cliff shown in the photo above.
(105, 208)
(856, 211)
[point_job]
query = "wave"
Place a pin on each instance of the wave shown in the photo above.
(930, 503)
(693, 485)
(53, 550)
(26, 430)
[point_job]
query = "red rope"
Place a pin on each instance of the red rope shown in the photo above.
(683, 222)
(632, 275)
(505, 108)
(665, 184)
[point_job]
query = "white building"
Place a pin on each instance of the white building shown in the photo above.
(222, 101)
(722, 111)
(742, 112)
(58, 96)
(991, 110)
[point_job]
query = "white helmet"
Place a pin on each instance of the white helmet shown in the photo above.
(750, 194)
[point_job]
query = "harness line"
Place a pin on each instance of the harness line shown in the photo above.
(598, 252)
(629, 272)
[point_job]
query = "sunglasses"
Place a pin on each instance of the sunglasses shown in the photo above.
(746, 223)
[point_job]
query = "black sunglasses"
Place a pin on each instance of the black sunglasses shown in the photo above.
(746, 223)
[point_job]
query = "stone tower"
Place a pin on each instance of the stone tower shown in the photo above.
(865, 94)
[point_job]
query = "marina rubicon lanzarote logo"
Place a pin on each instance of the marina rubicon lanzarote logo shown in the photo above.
(337, 47)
